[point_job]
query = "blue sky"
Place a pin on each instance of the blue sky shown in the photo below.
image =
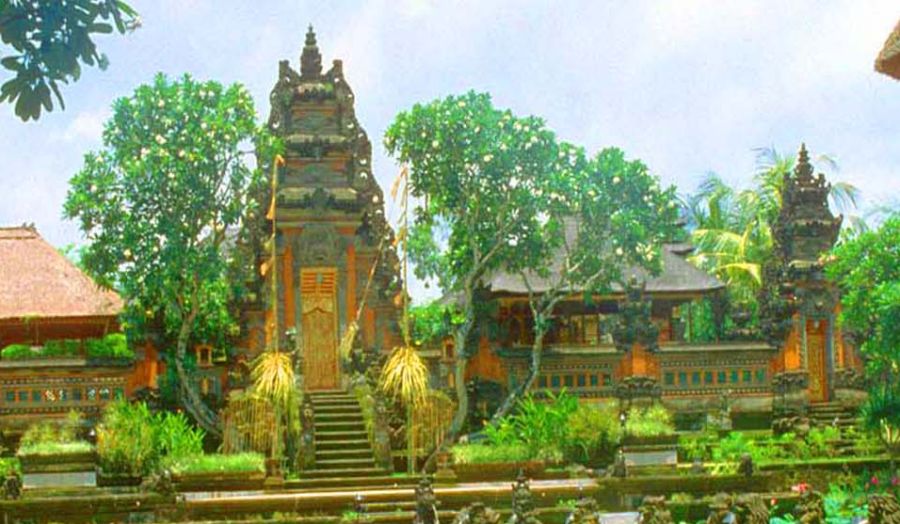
(686, 86)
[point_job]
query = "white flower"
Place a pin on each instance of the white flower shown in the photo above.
(616, 180)
(488, 157)
(160, 140)
(93, 188)
(434, 144)
(161, 103)
(461, 103)
(203, 126)
(144, 151)
(619, 251)
(181, 153)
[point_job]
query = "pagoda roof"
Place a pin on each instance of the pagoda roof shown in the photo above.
(677, 276)
(36, 280)
(888, 61)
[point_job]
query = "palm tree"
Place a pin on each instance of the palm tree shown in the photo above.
(732, 229)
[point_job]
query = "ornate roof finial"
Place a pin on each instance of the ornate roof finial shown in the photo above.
(803, 169)
(310, 59)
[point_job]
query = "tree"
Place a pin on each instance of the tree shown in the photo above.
(610, 215)
(50, 40)
(867, 271)
(158, 205)
(475, 171)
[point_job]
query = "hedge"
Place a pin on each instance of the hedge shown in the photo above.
(111, 346)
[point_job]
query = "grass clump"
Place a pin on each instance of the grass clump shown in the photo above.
(237, 463)
(491, 453)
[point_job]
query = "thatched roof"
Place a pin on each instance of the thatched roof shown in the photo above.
(37, 281)
(677, 276)
(888, 61)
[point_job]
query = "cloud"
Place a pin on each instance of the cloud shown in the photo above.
(86, 127)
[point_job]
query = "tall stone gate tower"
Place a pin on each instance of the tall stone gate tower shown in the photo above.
(331, 228)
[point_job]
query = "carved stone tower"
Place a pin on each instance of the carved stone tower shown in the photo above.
(802, 311)
(331, 229)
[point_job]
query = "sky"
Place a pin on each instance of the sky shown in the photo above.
(687, 86)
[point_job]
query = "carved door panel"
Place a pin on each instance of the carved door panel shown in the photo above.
(320, 360)
(815, 355)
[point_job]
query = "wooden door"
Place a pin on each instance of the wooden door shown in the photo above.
(816, 364)
(320, 360)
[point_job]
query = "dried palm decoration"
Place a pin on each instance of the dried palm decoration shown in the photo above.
(273, 376)
(405, 376)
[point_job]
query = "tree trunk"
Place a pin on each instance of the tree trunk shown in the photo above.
(537, 354)
(462, 393)
(190, 399)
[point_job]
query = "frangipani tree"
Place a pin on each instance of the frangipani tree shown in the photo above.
(603, 218)
(158, 202)
(475, 171)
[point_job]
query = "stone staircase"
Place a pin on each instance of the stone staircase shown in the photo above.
(832, 413)
(342, 442)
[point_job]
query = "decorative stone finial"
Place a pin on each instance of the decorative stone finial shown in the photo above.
(310, 59)
(803, 169)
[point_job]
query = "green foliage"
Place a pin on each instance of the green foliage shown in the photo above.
(881, 414)
(54, 437)
(237, 463)
(133, 440)
(157, 202)
(593, 434)
(10, 464)
(491, 453)
(49, 42)
(651, 421)
(866, 269)
(114, 345)
(431, 322)
(541, 427)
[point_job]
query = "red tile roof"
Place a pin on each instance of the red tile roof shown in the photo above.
(36, 280)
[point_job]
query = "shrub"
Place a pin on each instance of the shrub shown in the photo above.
(134, 441)
(54, 437)
(593, 434)
(114, 345)
(651, 421)
(541, 427)
(237, 463)
(490, 453)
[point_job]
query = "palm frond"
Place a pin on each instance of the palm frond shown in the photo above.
(844, 196)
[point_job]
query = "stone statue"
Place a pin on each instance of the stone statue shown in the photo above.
(522, 502)
(426, 503)
(477, 513)
(750, 509)
(307, 448)
(160, 483)
(745, 466)
(620, 468)
(585, 512)
(381, 435)
(697, 467)
(12, 486)
(883, 509)
(653, 510)
(811, 508)
(720, 510)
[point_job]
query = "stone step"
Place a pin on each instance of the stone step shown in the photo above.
(376, 478)
(343, 472)
(331, 436)
(340, 454)
(320, 418)
(342, 464)
(342, 444)
(330, 397)
(356, 425)
(337, 408)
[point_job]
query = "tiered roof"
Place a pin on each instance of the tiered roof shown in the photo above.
(37, 281)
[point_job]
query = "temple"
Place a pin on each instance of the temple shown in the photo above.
(59, 334)
(335, 263)
(636, 344)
